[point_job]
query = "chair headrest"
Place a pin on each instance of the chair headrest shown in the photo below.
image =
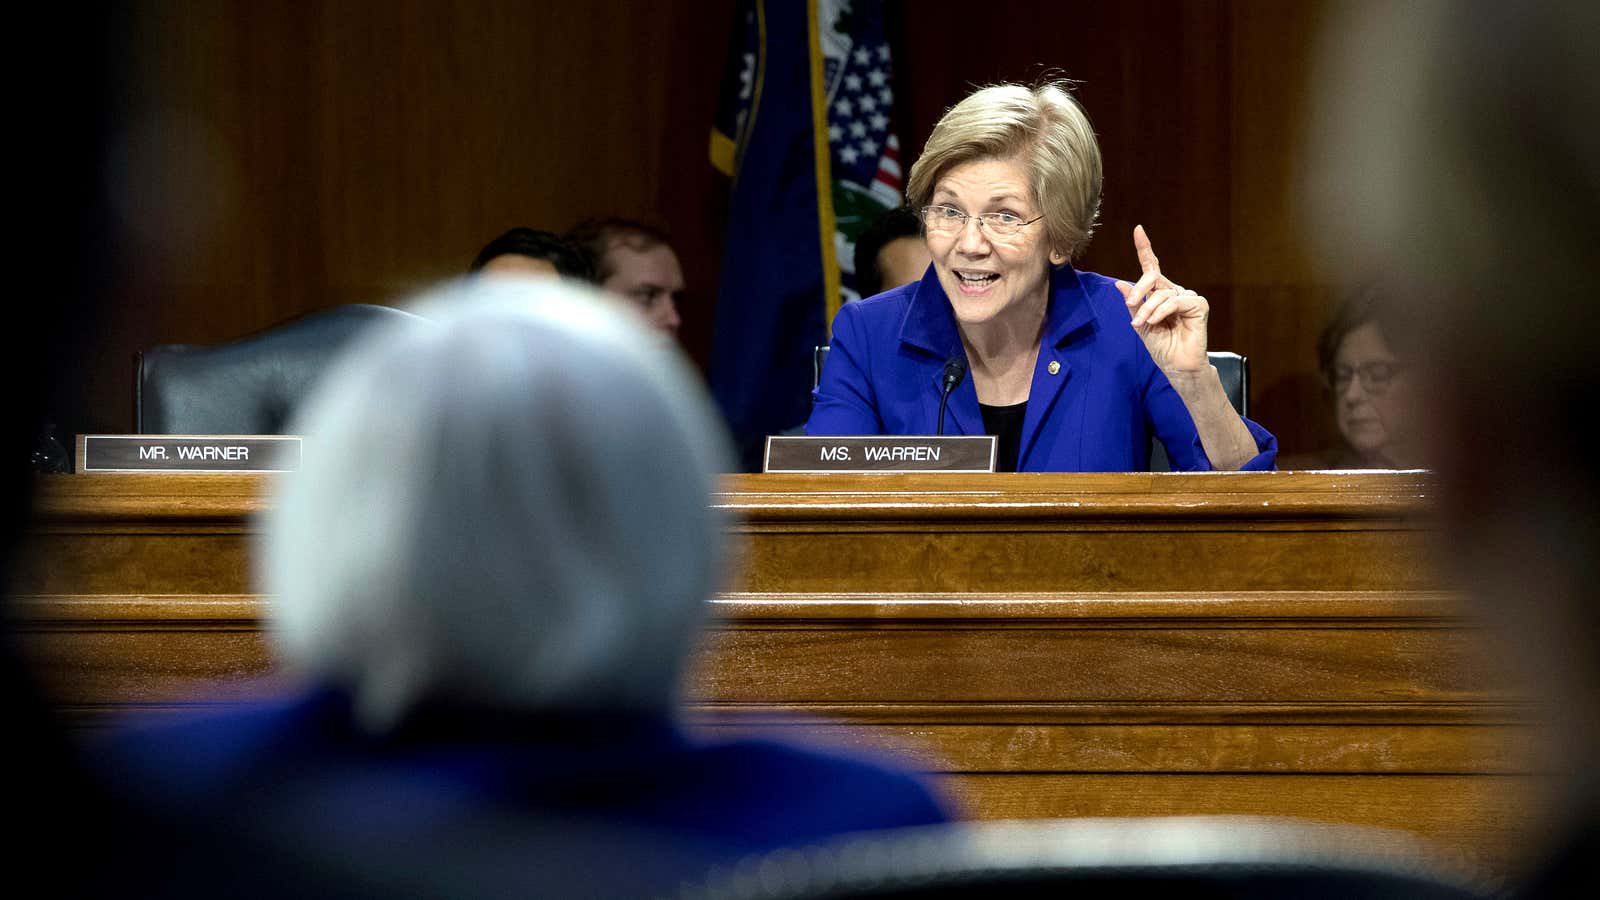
(1190, 856)
(250, 385)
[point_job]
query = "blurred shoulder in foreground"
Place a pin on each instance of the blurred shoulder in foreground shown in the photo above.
(1459, 162)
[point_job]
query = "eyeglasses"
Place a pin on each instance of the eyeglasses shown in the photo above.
(949, 220)
(1375, 376)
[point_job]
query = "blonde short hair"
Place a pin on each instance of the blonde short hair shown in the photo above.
(1044, 125)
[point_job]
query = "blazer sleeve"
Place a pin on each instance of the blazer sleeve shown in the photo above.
(844, 401)
(1169, 419)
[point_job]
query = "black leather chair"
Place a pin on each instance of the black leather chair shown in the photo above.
(246, 386)
(1233, 369)
(819, 355)
(1211, 858)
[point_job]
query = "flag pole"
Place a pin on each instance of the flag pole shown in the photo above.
(824, 170)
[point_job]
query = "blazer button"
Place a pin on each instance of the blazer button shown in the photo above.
(1054, 367)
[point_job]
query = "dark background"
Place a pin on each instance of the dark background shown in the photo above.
(269, 159)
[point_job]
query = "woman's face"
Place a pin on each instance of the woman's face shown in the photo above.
(1374, 399)
(983, 275)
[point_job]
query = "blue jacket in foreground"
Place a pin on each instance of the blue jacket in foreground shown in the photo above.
(1096, 413)
(518, 801)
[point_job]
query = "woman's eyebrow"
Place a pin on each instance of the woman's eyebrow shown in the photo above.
(947, 193)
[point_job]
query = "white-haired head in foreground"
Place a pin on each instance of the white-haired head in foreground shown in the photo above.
(503, 504)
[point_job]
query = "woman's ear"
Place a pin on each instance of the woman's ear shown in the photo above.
(1058, 258)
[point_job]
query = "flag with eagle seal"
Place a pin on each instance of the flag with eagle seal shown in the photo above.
(805, 128)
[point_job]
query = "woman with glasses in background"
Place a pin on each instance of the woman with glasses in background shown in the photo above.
(1374, 402)
(1072, 371)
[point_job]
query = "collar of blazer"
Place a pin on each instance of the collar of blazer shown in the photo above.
(930, 325)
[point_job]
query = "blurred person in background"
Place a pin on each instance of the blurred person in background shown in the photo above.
(1458, 158)
(528, 252)
(1370, 388)
(634, 261)
(891, 252)
(488, 578)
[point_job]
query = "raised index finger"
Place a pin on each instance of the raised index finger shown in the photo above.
(1147, 254)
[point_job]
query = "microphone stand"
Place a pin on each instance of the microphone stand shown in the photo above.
(955, 369)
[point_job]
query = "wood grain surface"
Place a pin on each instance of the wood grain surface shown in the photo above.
(1045, 645)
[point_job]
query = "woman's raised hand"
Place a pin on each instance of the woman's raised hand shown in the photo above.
(1170, 319)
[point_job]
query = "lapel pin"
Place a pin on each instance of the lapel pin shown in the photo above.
(1054, 367)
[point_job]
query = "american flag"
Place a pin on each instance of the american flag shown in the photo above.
(865, 153)
(865, 150)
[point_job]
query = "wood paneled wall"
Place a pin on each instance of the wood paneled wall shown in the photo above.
(279, 158)
(282, 157)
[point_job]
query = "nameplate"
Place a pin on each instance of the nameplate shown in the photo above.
(875, 453)
(188, 453)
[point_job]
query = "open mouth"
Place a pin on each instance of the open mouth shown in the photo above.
(977, 279)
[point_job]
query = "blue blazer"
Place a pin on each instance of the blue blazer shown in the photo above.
(299, 769)
(1095, 413)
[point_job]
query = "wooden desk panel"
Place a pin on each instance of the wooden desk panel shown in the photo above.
(1277, 649)
(1046, 645)
(1111, 533)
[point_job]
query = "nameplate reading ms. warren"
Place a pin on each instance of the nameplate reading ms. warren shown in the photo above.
(877, 453)
(188, 453)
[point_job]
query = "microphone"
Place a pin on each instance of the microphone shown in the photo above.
(955, 369)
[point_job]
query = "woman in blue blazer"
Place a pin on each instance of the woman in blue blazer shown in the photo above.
(1073, 371)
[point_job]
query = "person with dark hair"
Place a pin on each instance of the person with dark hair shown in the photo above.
(635, 261)
(891, 252)
(527, 251)
(1373, 395)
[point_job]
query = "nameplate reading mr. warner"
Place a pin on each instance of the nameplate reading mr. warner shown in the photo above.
(876, 453)
(188, 453)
